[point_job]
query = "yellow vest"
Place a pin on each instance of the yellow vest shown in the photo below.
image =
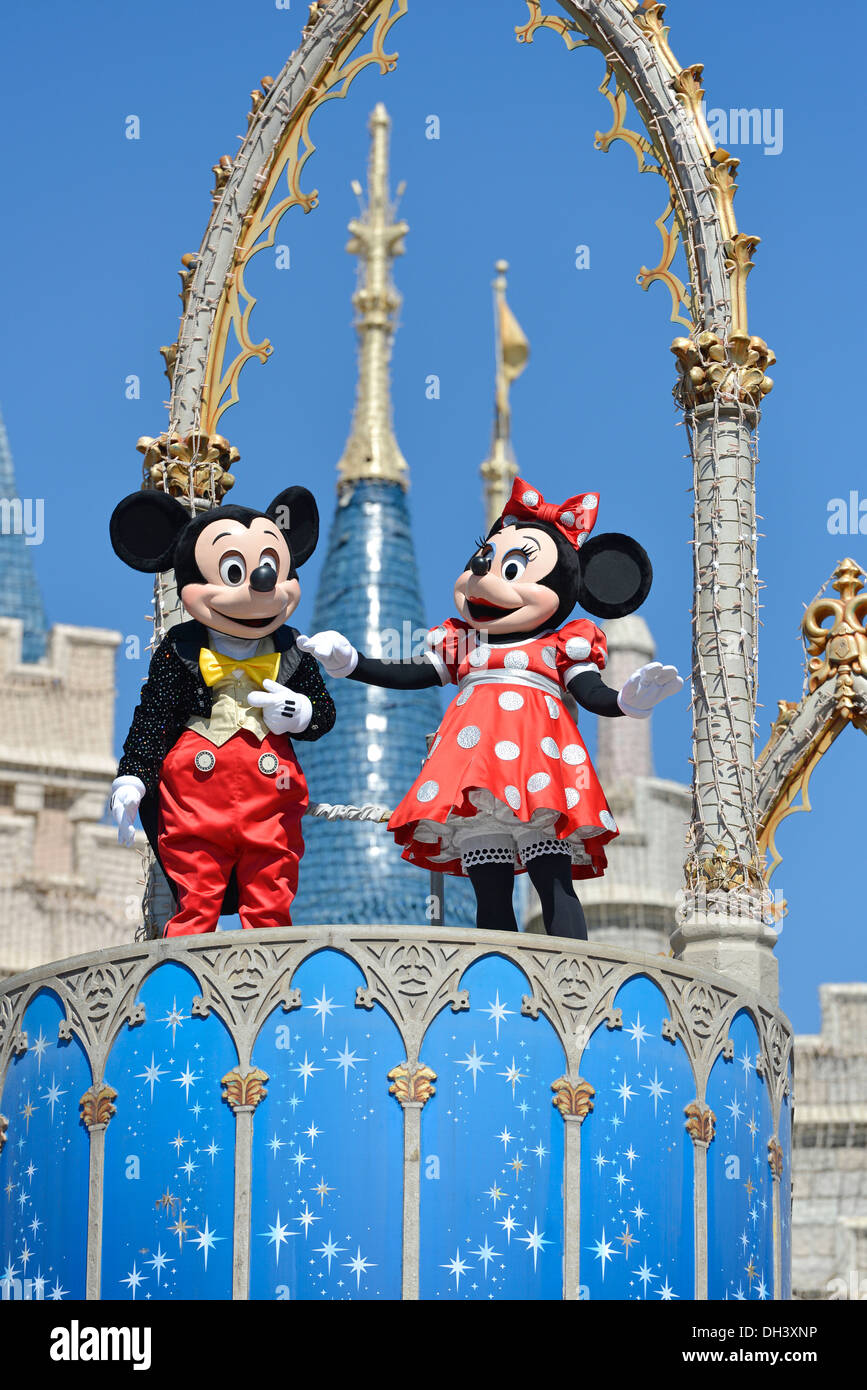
(229, 709)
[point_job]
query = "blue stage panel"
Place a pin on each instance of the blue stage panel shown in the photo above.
(169, 1151)
(327, 1214)
(637, 1174)
(492, 1147)
(739, 1182)
(44, 1164)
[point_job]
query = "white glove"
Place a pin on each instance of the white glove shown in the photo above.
(283, 710)
(646, 687)
(334, 651)
(126, 795)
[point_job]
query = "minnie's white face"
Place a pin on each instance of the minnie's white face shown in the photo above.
(227, 553)
(512, 596)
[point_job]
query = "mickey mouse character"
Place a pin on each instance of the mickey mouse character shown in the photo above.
(208, 759)
(507, 785)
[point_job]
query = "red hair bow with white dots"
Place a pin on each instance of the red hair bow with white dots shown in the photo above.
(574, 518)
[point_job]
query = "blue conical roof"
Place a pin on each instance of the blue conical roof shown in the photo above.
(19, 589)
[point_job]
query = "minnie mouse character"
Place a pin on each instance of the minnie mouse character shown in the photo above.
(507, 785)
(208, 759)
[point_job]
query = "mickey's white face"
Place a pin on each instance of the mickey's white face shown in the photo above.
(247, 591)
(512, 595)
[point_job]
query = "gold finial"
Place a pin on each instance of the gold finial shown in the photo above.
(839, 651)
(377, 237)
(512, 353)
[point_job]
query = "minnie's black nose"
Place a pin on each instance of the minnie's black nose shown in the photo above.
(263, 578)
(480, 564)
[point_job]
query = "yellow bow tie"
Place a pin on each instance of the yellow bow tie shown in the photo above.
(214, 666)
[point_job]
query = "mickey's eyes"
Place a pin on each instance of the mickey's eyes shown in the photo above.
(269, 557)
(233, 569)
(514, 565)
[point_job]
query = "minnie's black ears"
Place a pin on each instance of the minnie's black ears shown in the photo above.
(616, 575)
(144, 528)
(296, 513)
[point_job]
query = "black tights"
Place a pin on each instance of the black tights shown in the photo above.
(550, 875)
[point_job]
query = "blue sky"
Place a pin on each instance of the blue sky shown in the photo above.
(95, 225)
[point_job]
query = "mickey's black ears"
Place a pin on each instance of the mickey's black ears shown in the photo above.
(144, 528)
(296, 513)
(616, 575)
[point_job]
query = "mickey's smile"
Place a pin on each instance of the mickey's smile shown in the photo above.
(245, 622)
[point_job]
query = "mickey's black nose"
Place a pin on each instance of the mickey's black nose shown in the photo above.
(480, 564)
(263, 578)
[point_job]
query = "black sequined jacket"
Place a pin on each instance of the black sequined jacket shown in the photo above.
(175, 692)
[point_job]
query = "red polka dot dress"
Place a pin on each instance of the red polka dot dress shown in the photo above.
(508, 776)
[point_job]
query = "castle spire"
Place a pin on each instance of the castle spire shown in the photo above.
(512, 354)
(372, 451)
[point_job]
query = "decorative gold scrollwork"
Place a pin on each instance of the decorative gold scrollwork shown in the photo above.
(733, 370)
(412, 1085)
(700, 1123)
(840, 651)
(97, 1105)
(566, 28)
(244, 1091)
(572, 1100)
(197, 463)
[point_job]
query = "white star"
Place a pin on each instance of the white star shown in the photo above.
(57, 1292)
(508, 1224)
(275, 1144)
(174, 1020)
(534, 1240)
(638, 1033)
(639, 1213)
(187, 1079)
(277, 1235)
(656, 1089)
(630, 1155)
(212, 1150)
(603, 1251)
(620, 1178)
(9, 1273)
(666, 1293)
(345, 1060)
(35, 1224)
(505, 1138)
(206, 1240)
(151, 1075)
(762, 1289)
(26, 1254)
(306, 1218)
(735, 1111)
(329, 1249)
(457, 1267)
(747, 1063)
(133, 1279)
(486, 1253)
(359, 1266)
(299, 1159)
(540, 1152)
(498, 1013)
(189, 1168)
(39, 1286)
(513, 1075)
(159, 1263)
(323, 1007)
(313, 1133)
(600, 1161)
(178, 1142)
(39, 1046)
(305, 1070)
(645, 1274)
(473, 1063)
(52, 1095)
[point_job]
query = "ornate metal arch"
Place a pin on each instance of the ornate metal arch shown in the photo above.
(721, 381)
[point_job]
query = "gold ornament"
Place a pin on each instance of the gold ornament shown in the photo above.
(244, 1091)
(573, 1100)
(412, 1085)
(191, 466)
(97, 1105)
(700, 1123)
(732, 370)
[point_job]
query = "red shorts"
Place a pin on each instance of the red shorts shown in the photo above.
(234, 807)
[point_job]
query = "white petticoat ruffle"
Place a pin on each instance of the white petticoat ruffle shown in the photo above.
(497, 829)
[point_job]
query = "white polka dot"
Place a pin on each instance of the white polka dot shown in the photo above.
(427, 791)
(581, 537)
(553, 706)
(510, 699)
(572, 797)
(469, 736)
(590, 501)
(538, 782)
(516, 661)
(479, 655)
(506, 750)
(464, 696)
(549, 656)
(573, 753)
(549, 748)
(513, 796)
(567, 518)
(510, 521)
(577, 648)
(530, 498)
(608, 820)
